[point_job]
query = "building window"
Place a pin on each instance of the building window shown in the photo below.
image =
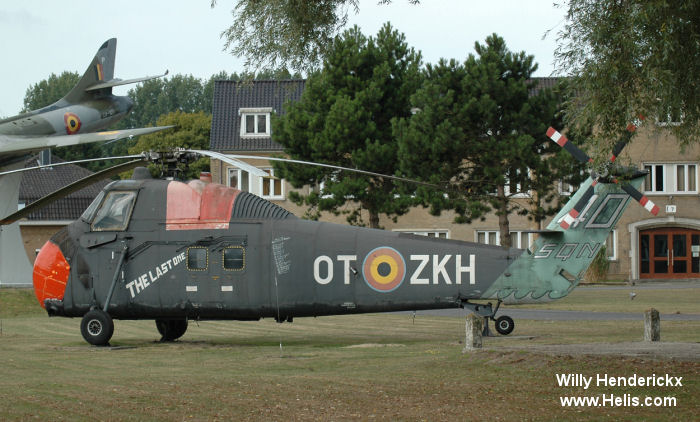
(654, 181)
(671, 117)
(271, 187)
(686, 178)
(488, 237)
(197, 258)
(255, 122)
(611, 246)
(671, 178)
(516, 189)
(239, 179)
(518, 239)
(438, 234)
(233, 258)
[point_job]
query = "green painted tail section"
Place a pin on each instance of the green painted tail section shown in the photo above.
(557, 261)
(100, 69)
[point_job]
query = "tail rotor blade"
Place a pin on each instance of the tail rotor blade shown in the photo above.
(563, 142)
(620, 145)
(641, 198)
(569, 218)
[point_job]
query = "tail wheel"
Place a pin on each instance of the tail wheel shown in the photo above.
(505, 325)
(171, 329)
(97, 327)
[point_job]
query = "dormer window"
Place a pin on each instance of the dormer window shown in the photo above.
(255, 122)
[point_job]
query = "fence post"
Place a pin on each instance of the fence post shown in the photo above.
(652, 325)
(473, 328)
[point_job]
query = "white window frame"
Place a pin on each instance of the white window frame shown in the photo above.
(435, 233)
(517, 193)
(612, 254)
(670, 178)
(490, 235)
(271, 181)
(669, 120)
(653, 175)
(686, 175)
(239, 177)
(255, 112)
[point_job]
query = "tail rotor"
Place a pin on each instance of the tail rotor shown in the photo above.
(609, 170)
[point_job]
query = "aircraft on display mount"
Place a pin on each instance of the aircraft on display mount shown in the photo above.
(77, 118)
(173, 251)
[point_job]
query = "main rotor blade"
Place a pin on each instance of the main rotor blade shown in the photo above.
(73, 187)
(563, 142)
(641, 198)
(65, 163)
(231, 159)
(334, 167)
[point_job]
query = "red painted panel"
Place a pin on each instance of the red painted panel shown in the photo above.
(51, 271)
(198, 205)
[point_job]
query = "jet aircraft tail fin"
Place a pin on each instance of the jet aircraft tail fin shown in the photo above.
(558, 259)
(101, 69)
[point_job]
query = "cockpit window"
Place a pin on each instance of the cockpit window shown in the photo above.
(89, 212)
(115, 212)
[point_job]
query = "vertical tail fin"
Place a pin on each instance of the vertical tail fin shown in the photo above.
(100, 69)
(559, 258)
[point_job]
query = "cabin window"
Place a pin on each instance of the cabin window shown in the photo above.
(233, 258)
(115, 212)
(197, 258)
(89, 212)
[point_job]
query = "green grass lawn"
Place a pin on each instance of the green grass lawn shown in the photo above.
(364, 367)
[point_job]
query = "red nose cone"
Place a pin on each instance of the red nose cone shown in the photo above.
(51, 272)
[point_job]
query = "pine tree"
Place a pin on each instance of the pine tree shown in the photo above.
(479, 126)
(344, 118)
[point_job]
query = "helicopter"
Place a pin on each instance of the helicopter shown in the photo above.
(175, 251)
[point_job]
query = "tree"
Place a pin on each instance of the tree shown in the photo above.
(157, 97)
(292, 33)
(480, 126)
(632, 57)
(48, 91)
(191, 131)
(344, 118)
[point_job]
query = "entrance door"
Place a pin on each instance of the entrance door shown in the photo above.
(669, 253)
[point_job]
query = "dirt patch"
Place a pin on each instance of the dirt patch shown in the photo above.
(370, 345)
(652, 350)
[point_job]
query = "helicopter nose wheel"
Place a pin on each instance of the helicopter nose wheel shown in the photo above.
(97, 327)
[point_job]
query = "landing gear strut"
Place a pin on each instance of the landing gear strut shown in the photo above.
(504, 324)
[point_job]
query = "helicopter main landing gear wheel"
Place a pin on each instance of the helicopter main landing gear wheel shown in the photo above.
(97, 327)
(171, 329)
(505, 325)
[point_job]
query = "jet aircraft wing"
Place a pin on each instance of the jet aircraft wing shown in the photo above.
(10, 144)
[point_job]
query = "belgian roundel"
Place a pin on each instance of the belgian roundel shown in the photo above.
(72, 123)
(384, 269)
